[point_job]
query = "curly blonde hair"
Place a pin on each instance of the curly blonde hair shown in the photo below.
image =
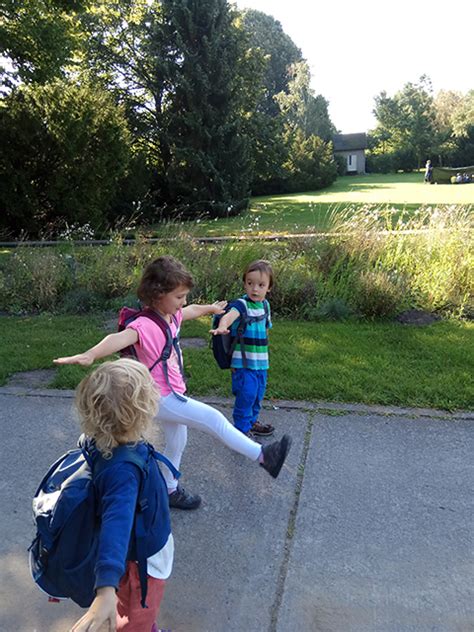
(116, 403)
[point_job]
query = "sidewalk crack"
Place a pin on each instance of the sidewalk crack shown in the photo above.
(290, 530)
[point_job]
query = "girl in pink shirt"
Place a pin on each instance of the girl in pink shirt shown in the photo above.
(163, 288)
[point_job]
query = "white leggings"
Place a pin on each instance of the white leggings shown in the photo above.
(176, 416)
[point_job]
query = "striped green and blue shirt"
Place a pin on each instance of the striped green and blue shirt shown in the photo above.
(255, 336)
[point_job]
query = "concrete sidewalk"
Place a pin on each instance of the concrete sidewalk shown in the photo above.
(369, 527)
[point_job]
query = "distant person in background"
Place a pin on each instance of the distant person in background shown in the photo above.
(429, 172)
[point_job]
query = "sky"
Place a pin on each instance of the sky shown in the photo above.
(356, 49)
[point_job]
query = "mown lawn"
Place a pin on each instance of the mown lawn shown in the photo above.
(302, 212)
(384, 363)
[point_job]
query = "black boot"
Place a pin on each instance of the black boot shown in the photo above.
(274, 455)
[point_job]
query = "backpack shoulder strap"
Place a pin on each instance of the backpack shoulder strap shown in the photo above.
(124, 454)
(266, 307)
(170, 343)
(241, 305)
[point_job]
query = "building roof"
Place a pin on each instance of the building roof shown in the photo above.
(349, 142)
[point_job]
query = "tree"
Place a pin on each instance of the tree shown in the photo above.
(406, 124)
(66, 147)
(209, 151)
(280, 52)
(308, 130)
(463, 116)
(310, 164)
(301, 108)
(38, 39)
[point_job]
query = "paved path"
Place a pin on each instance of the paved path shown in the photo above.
(369, 527)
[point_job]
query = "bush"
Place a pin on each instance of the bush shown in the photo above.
(310, 165)
(376, 295)
(108, 271)
(80, 301)
(424, 261)
(34, 280)
(379, 163)
(333, 309)
(65, 147)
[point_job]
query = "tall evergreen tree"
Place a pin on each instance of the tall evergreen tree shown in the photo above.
(210, 163)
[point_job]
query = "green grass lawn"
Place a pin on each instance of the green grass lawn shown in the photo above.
(345, 362)
(302, 212)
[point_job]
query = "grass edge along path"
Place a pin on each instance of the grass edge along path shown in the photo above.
(371, 363)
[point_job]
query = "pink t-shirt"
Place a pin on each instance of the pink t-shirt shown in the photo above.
(149, 347)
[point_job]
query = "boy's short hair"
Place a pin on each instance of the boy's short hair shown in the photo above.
(161, 276)
(116, 402)
(260, 265)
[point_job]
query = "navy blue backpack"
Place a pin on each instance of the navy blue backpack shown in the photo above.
(223, 345)
(65, 508)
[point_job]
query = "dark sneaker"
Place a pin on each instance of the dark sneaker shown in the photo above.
(262, 430)
(181, 499)
(274, 455)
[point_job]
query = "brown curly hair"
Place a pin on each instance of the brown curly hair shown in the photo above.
(116, 403)
(161, 276)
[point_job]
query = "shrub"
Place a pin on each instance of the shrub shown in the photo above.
(333, 309)
(376, 295)
(310, 164)
(34, 280)
(80, 301)
(65, 147)
(107, 271)
(424, 261)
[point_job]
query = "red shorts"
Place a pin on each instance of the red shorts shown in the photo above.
(131, 617)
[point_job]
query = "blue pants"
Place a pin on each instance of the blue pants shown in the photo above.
(248, 386)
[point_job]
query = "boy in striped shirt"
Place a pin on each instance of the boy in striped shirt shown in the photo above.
(249, 363)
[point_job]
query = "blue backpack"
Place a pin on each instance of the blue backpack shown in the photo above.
(128, 314)
(223, 345)
(65, 508)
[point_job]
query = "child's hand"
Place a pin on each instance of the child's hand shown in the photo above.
(85, 359)
(219, 331)
(218, 307)
(102, 609)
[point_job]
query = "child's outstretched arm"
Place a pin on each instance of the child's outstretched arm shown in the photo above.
(225, 322)
(196, 311)
(110, 344)
(102, 609)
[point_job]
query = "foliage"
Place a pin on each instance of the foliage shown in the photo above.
(65, 149)
(374, 262)
(32, 280)
(205, 131)
(310, 163)
(301, 108)
(406, 124)
(280, 52)
(40, 39)
(266, 125)
(413, 126)
(196, 83)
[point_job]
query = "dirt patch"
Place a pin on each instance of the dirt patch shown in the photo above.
(41, 378)
(417, 317)
(193, 343)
